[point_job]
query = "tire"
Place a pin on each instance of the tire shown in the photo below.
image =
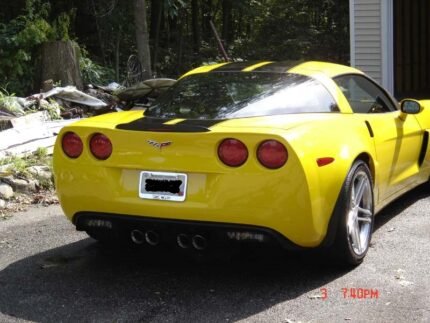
(355, 226)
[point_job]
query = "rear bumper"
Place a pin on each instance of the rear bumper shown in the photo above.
(295, 201)
(217, 234)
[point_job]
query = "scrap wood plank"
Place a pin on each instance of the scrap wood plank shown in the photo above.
(25, 128)
(26, 121)
(14, 137)
(30, 120)
(28, 139)
(29, 147)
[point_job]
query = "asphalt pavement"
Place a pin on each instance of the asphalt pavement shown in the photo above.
(51, 273)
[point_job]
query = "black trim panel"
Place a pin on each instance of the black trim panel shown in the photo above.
(169, 228)
(277, 67)
(424, 148)
(369, 127)
(233, 67)
(271, 67)
(159, 125)
(202, 123)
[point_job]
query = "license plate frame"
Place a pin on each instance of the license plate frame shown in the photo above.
(150, 182)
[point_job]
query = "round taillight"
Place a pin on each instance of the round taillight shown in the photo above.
(72, 145)
(272, 154)
(232, 152)
(100, 146)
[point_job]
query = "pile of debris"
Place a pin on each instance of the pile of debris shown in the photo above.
(40, 116)
(30, 124)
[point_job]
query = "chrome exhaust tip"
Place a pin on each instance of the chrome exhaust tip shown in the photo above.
(199, 242)
(183, 240)
(137, 236)
(152, 238)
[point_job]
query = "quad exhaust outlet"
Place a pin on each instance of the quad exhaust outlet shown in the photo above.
(137, 236)
(183, 240)
(199, 242)
(152, 238)
(186, 241)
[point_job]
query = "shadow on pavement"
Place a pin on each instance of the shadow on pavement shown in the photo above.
(84, 282)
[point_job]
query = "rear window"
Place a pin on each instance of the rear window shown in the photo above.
(229, 95)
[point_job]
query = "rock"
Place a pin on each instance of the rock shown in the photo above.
(40, 172)
(6, 191)
(2, 204)
(21, 185)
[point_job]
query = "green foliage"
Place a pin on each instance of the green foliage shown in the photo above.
(17, 40)
(18, 166)
(41, 153)
(61, 26)
(5, 96)
(94, 73)
(8, 103)
(296, 29)
(20, 37)
(173, 7)
(253, 30)
(180, 35)
(53, 109)
(50, 106)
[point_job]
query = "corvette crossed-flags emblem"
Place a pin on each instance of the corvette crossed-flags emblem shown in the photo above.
(159, 145)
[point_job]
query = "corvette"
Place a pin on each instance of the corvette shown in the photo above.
(302, 156)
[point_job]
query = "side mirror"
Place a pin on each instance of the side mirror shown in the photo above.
(410, 106)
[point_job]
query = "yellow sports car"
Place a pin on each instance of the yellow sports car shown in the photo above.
(303, 156)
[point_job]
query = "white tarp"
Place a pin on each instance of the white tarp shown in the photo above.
(72, 94)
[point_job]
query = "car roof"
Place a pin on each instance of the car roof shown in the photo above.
(311, 68)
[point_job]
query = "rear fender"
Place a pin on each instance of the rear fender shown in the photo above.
(325, 182)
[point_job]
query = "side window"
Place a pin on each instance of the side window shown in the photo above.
(363, 95)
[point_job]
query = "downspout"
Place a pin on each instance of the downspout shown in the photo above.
(387, 44)
(352, 31)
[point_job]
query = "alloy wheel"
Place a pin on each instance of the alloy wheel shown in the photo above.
(360, 213)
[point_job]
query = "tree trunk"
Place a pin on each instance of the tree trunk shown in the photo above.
(59, 61)
(207, 15)
(227, 21)
(195, 25)
(180, 43)
(156, 38)
(142, 37)
(118, 53)
(155, 17)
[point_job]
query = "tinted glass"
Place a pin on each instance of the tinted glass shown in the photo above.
(242, 94)
(363, 95)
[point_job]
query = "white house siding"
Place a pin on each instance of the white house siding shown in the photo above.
(366, 37)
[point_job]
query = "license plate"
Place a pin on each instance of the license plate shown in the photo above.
(163, 186)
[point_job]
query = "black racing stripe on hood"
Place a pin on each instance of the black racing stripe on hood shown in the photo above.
(158, 125)
(234, 67)
(277, 67)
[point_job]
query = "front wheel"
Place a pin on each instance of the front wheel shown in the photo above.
(355, 213)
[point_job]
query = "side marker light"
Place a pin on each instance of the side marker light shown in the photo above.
(324, 161)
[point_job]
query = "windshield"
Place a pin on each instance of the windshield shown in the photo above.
(242, 94)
